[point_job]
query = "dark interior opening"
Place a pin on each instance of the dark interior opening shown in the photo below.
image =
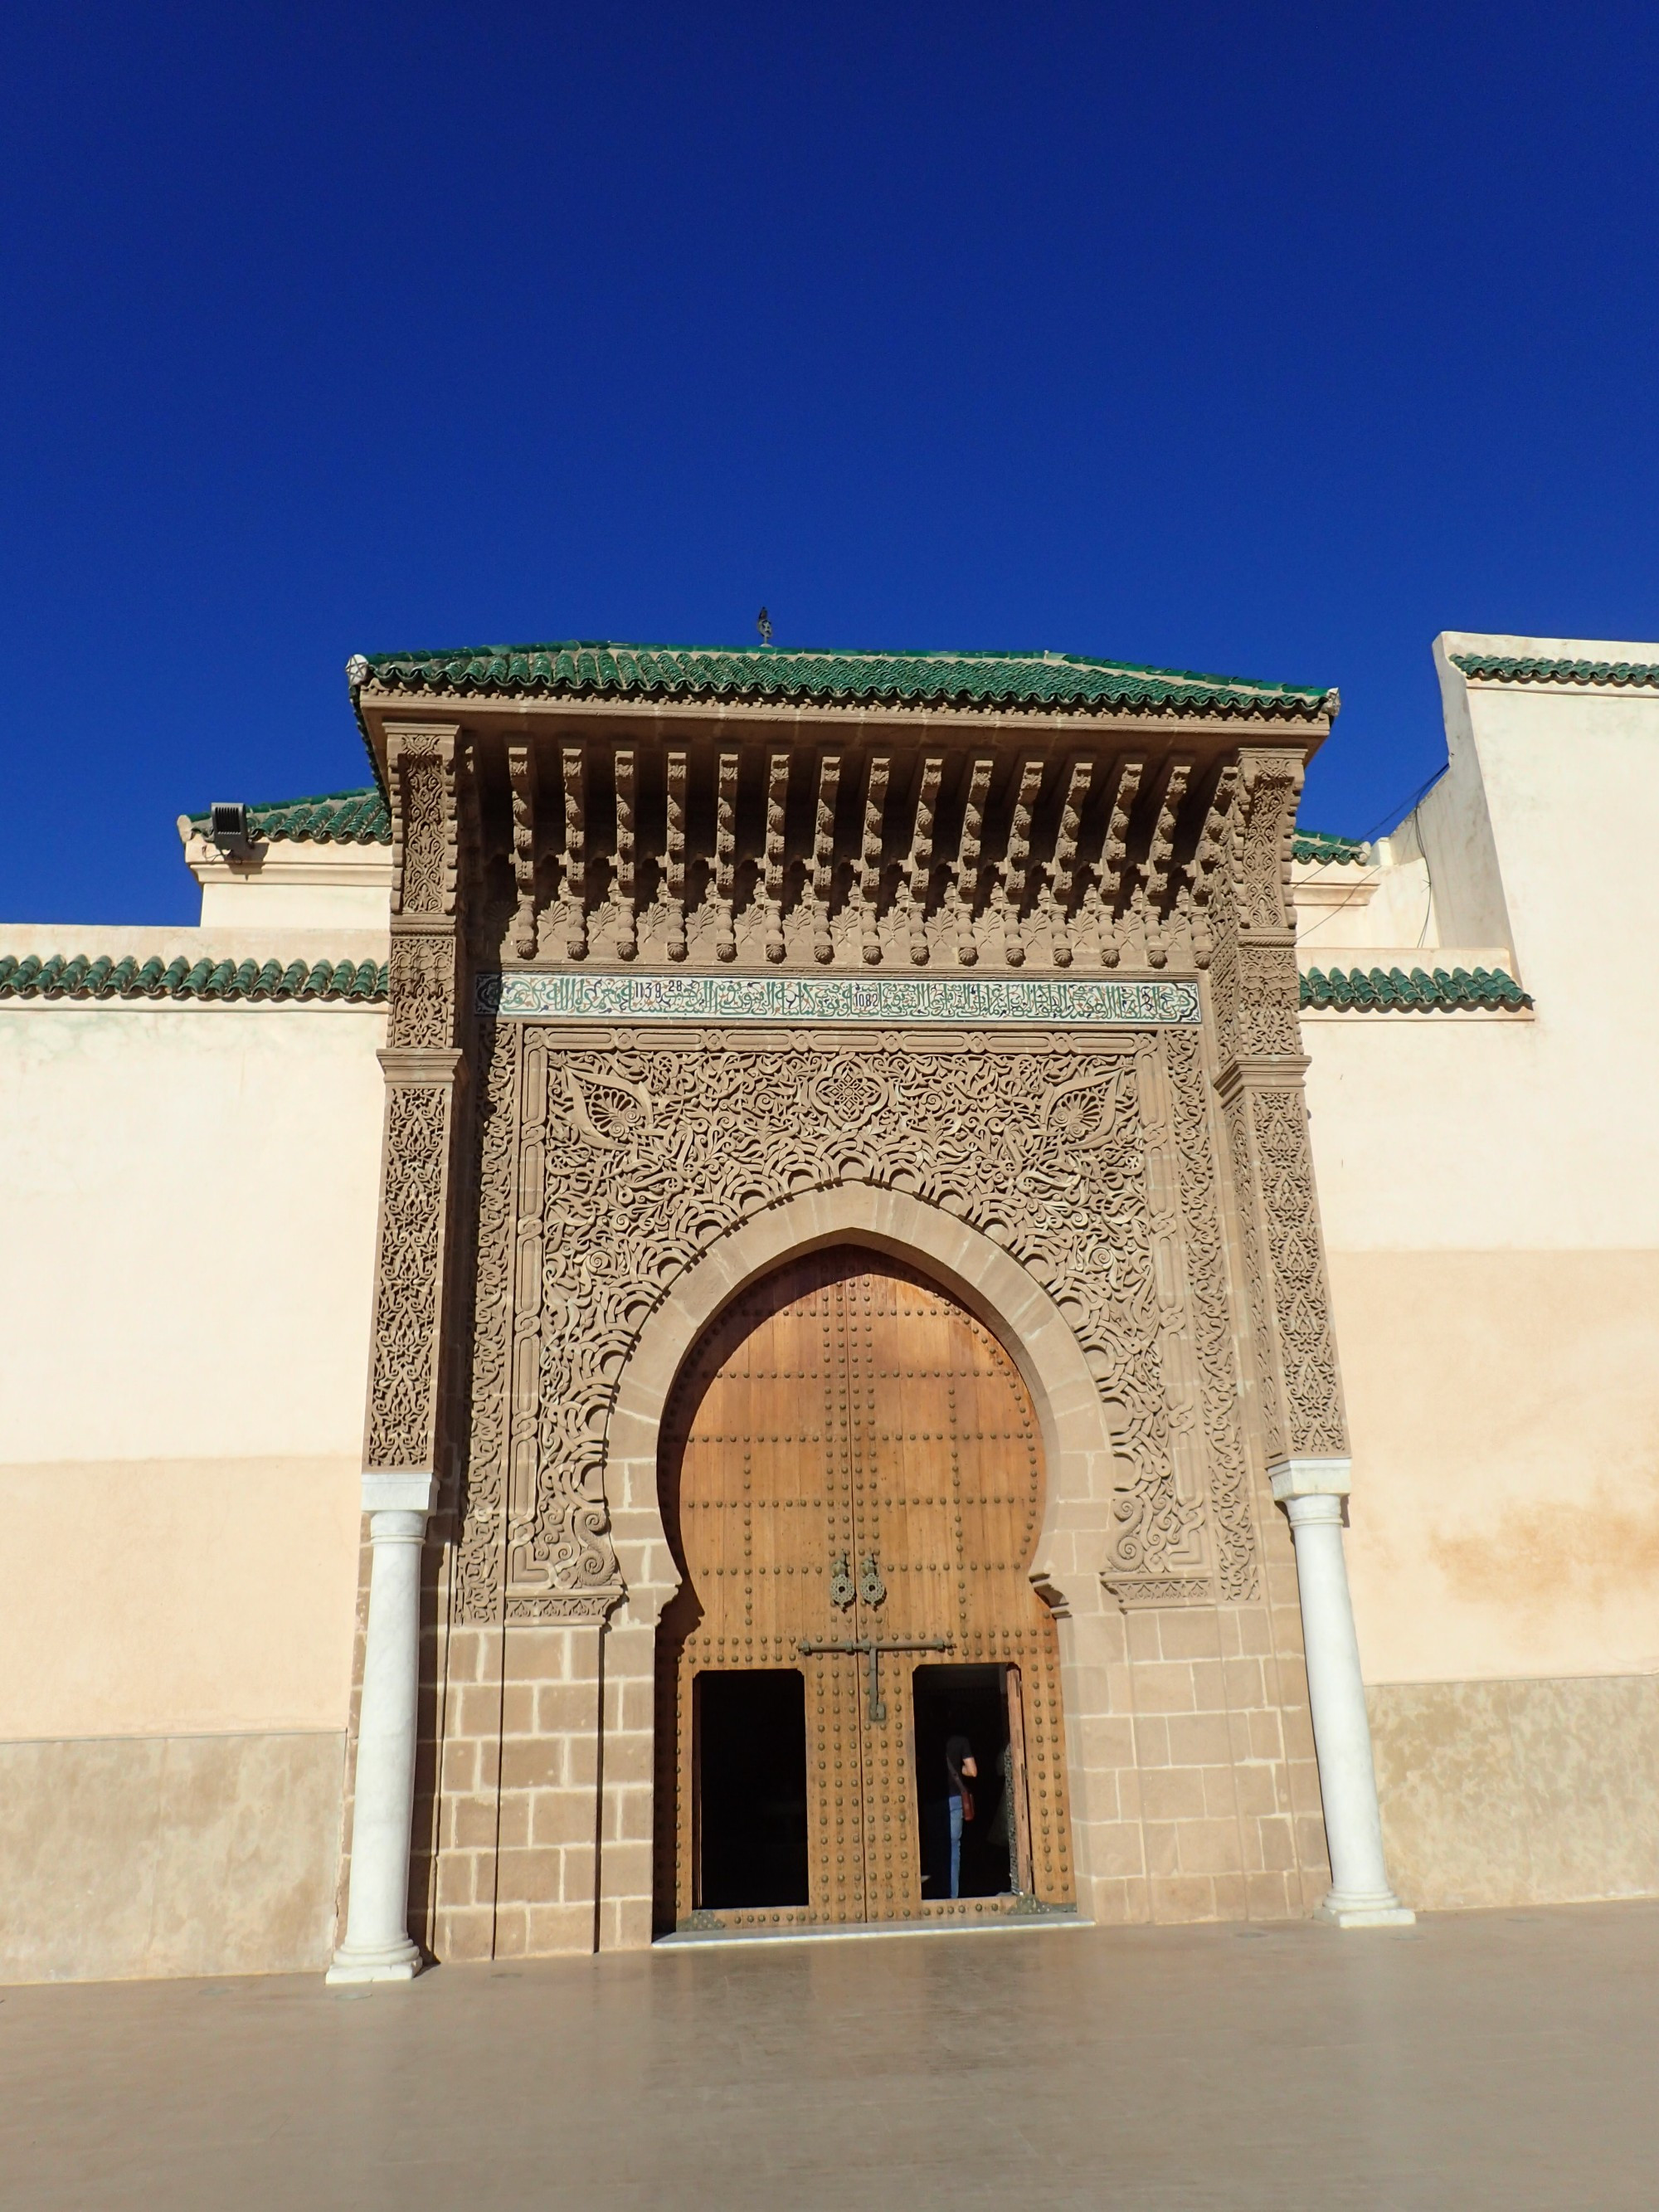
(971, 1702)
(751, 1787)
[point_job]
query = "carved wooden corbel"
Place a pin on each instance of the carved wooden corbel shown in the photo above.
(521, 774)
(627, 918)
(1062, 869)
(968, 860)
(674, 854)
(725, 858)
(1017, 861)
(777, 817)
(870, 855)
(1113, 852)
(1154, 874)
(919, 866)
(1199, 889)
(575, 854)
(823, 856)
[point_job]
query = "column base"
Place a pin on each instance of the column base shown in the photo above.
(1381, 1909)
(394, 1962)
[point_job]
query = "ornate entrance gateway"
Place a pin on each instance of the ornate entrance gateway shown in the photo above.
(697, 961)
(852, 1481)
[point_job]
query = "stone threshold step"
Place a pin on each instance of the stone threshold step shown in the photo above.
(1002, 1923)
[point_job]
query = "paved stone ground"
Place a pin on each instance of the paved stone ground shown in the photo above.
(1502, 2059)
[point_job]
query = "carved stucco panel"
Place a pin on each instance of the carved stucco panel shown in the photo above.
(477, 1580)
(423, 980)
(1091, 1164)
(424, 824)
(1314, 1425)
(402, 1387)
(1211, 1323)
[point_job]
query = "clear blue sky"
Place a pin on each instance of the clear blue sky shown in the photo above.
(1267, 340)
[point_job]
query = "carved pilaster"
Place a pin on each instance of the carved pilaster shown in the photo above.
(1253, 977)
(423, 1069)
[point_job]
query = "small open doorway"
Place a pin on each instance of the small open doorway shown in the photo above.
(978, 1708)
(751, 1735)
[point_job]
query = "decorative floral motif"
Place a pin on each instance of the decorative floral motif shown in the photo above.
(847, 1094)
(423, 968)
(1307, 1346)
(1036, 1143)
(402, 1392)
(419, 834)
(1212, 1325)
(477, 1573)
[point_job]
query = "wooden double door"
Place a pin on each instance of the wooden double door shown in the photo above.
(851, 1480)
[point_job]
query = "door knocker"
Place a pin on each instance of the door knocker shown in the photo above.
(840, 1584)
(872, 1588)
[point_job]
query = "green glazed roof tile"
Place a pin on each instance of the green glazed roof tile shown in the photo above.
(1497, 668)
(1377, 990)
(1316, 845)
(362, 981)
(580, 669)
(333, 817)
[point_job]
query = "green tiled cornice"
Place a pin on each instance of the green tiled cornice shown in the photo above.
(1377, 990)
(768, 675)
(1494, 668)
(362, 981)
(334, 817)
(1315, 844)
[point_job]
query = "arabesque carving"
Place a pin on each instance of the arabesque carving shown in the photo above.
(634, 1155)
(477, 1577)
(422, 978)
(1254, 991)
(430, 779)
(1307, 1344)
(857, 855)
(403, 1376)
(422, 840)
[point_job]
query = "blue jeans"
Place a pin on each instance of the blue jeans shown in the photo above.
(955, 1846)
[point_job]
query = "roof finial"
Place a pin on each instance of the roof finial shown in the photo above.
(357, 671)
(763, 624)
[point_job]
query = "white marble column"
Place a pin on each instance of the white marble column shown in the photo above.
(377, 1946)
(1311, 1491)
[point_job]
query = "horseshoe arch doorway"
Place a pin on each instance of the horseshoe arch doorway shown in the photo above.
(851, 1478)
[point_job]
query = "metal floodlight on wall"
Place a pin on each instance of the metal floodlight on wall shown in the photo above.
(230, 831)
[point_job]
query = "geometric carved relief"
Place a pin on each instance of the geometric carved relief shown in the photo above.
(402, 1387)
(1088, 1160)
(1307, 1346)
(476, 1574)
(1212, 1326)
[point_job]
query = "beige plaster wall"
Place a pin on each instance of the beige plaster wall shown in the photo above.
(292, 885)
(1504, 1409)
(1491, 1216)
(184, 1294)
(125, 1856)
(1534, 1792)
(185, 1290)
(169, 1596)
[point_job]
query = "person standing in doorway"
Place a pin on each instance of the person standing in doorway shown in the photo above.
(961, 1769)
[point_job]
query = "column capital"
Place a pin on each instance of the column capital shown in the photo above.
(1260, 1071)
(422, 1066)
(1292, 1479)
(398, 1490)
